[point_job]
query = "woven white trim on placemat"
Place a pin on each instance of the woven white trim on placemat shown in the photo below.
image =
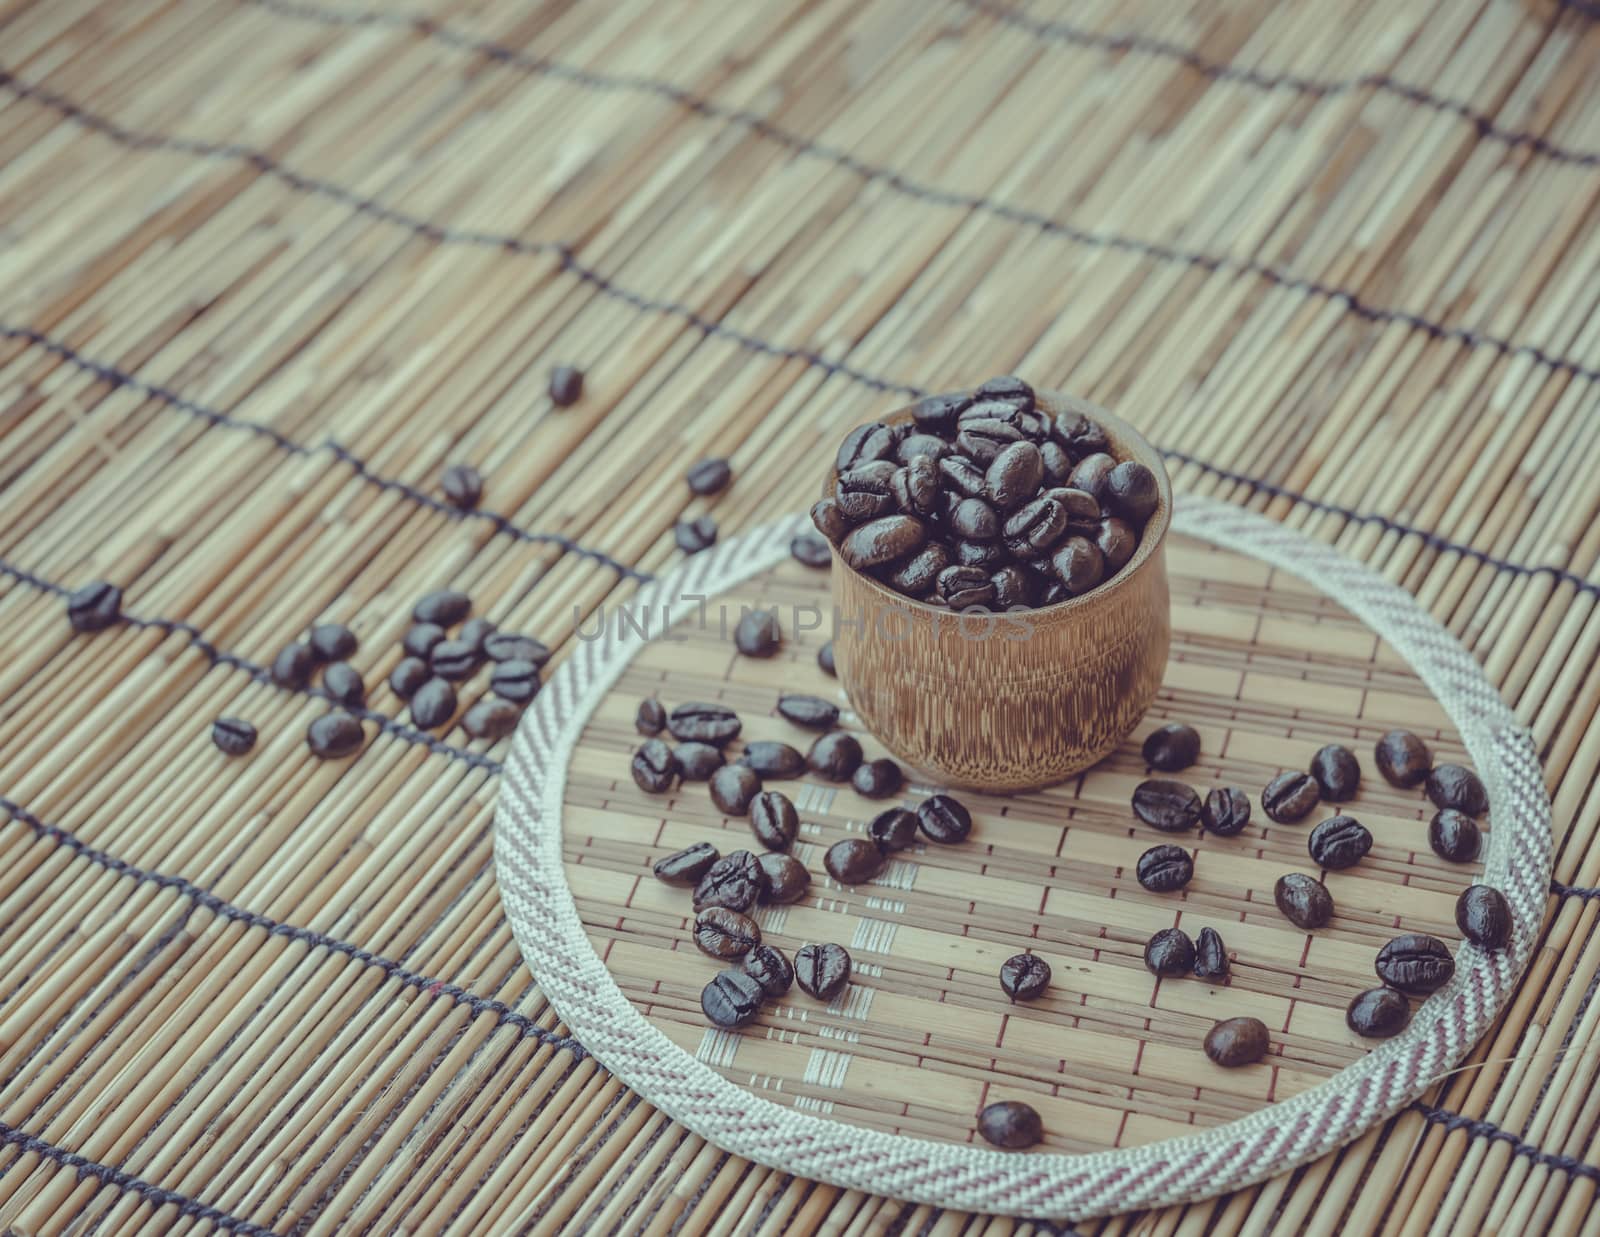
(545, 921)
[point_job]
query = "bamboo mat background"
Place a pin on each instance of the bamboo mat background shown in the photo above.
(267, 265)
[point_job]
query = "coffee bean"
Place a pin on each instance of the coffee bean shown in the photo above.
(811, 550)
(1010, 1124)
(944, 819)
(1225, 812)
(1007, 387)
(445, 608)
(1171, 807)
(693, 536)
(866, 491)
(984, 438)
(1014, 588)
(454, 659)
(962, 477)
(686, 866)
(1337, 773)
(233, 735)
(786, 877)
(773, 818)
(1014, 476)
(757, 633)
(491, 719)
(433, 704)
(704, 723)
(1091, 475)
(864, 445)
(1024, 977)
(986, 556)
(342, 682)
(895, 829)
(919, 574)
(1339, 842)
(1172, 747)
(1079, 435)
(972, 519)
(1378, 1013)
(1035, 527)
(1234, 1042)
(1454, 786)
(735, 881)
(1169, 952)
(723, 933)
(877, 779)
(830, 520)
(731, 999)
(1454, 836)
(1162, 869)
(94, 607)
(1078, 565)
(822, 971)
(825, 660)
(420, 640)
(964, 588)
(1131, 491)
(650, 718)
(331, 641)
(915, 487)
(566, 386)
(654, 766)
(697, 761)
(733, 787)
(835, 756)
(1403, 759)
(1415, 964)
(1484, 917)
(1210, 956)
(923, 446)
(769, 968)
(853, 861)
(476, 632)
(1057, 462)
(883, 541)
(293, 665)
(1290, 797)
(812, 712)
(1116, 541)
(936, 414)
(774, 760)
(334, 735)
(709, 476)
(462, 485)
(1304, 902)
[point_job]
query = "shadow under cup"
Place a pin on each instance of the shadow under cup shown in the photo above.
(1004, 702)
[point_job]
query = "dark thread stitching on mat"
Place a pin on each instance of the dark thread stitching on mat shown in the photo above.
(1583, 8)
(567, 260)
(1582, 892)
(1452, 1121)
(200, 896)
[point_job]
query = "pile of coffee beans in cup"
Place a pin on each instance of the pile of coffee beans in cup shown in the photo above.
(987, 499)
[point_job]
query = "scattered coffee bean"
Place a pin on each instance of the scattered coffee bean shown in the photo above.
(1304, 901)
(654, 765)
(1456, 787)
(835, 755)
(1339, 842)
(94, 607)
(733, 788)
(1162, 869)
(893, 830)
(1454, 835)
(566, 386)
(508, 646)
(723, 933)
(1234, 1042)
(811, 550)
(1336, 772)
(854, 861)
(1024, 977)
(686, 866)
(293, 665)
(233, 735)
(704, 723)
(650, 718)
(1225, 812)
(697, 761)
(491, 719)
(1210, 956)
(695, 535)
(769, 968)
(1010, 1124)
(1403, 759)
(1172, 747)
(877, 779)
(786, 877)
(735, 881)
(1378, 1013)
(419, 641)
(731, 999)
(433, 704)
(331, 641)
(812, 712)
(516, 681)
(944, 820)
(335, 734)
(342, 682)
(1290, 797)
(825, 660)
(773, 818)
(454, 659)
(476, 632)
(1415, 964)
(758, 633)
(445, 608)
(773, 760)
(1171, 807)
(1484, 917)
(709, 476)
(1169, 952)
(822, 971)
(462, 485)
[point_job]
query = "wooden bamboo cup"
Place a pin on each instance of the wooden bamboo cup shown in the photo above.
(1007, 702)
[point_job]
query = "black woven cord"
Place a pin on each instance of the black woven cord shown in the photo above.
(1581, 892)
(1488, 1129)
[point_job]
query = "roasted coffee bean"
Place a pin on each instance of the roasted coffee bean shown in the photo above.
(1162, 869)
(1339, 842)
(693, 536)
(445, 608)
(1403, 759)
(1415, 964)
(984, 555)
(1010, 1124)
(883, 541)
(822, 971)
(1172, 747)
(1014, 588)
(1234, 1042)
(1014, 476)
(865, 444)
(757, 633)
(769, 968)
(1024, 977)
(964, 588)
(853, 861)
(1378, 1013)
(331, 641)
(936, 414)
(895, 829)
(476, 632)
(1169, 952)
(462, 485)
(1337, 773)
(650, 718)
(723, 933)
(983, 438)
(335, 734)
(704, 723)
(1034, 528)
(233, 735)
(733, 787)
(915, 487)
(919, 574)
(944, 819)
(454, 659)
(962, 476)
(1057, 462)
(829, 520)
(775, 760)
(1082, 511)
(877, 779)
(1116, 541)
(930, 446)
(1078, 565)
(735, 881)
(709, 476)
(825, 660)
(812, 712)
(773, 818)
(1225, 812)
(342, 682)
(94, 607)
(1454, 835)
(686, 866)
(654, 766)
(1007, 387)
(1210, 956)
(1131, 491)
(566, 386)
(731, 999)
(866, 492)
(786, 877)
(1304, 901)
(293, 665)
(698, 761)
(491, 719)
(1054, 592)
(1091, 475)
(419, 641)
(972, 519)
(1454, 786)
(1484, 917)
(811, 550)
(433, 704)
(1171, 807)
(1290, 797)
(1080, 436)
(835, 756)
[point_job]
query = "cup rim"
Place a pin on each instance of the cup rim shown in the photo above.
(1130, 444)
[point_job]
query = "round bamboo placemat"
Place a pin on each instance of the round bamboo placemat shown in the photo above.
(880, 1087)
